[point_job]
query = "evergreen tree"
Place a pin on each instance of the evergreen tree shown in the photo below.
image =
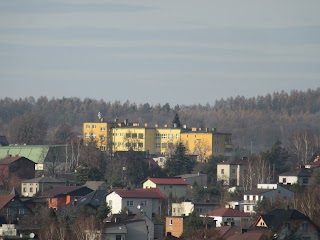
(179, 163)
(103, 211)
(176, 121)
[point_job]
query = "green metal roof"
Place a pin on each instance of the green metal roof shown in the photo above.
(36, 153)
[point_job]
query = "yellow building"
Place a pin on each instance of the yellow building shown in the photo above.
(117, 136)
(136, 137)
(231, 172)
(99, 133)
(206, 142)
(166, 139)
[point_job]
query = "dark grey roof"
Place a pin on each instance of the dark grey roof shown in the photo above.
(277, 217)
(302, 172)
(94, 185)
(257, 191)
(94, 199)
(44, 180)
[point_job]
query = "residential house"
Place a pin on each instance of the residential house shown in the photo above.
(175, 225)
(58, 197)
(15, 169)
(228, 217)
(272, 192)
(300, 176)
(283, 222)
(12, 208)
(175, 186)
(187, 207)
(205, 142)
(31, 187)
(92, 200)
(139, 200)
(230, 173)
(198, 179)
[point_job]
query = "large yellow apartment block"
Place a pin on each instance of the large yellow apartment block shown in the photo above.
(206, 142)
(116, 136)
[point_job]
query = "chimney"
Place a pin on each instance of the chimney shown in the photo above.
(146, 125)
(156, 125)
(207, 129)
(116, 120)
(185, 126)
(166, 125)
(214, 129)
(125, 121)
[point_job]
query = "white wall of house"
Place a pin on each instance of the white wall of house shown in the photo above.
(285, 180)
(146, 205)
(229, 221)
(182, 209)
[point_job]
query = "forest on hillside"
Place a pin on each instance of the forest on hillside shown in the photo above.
(256, 123)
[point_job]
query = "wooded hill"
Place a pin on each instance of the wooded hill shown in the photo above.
(255, 123)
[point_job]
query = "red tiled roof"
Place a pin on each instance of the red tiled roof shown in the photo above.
(9, 160)
(168, 181)
(227, 212)
(140, 193)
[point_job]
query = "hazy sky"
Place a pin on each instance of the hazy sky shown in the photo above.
(181, 52)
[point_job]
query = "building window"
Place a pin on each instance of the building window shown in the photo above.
(110, 203)
(118, 237)
(31, 189)
(24, 189)
(134, 145)
(248, 208)
(140, 145)
(164, 136)
(158, 145)
(164, 145)
(305, 226)
(284, 180)
(102, 138)
(94, 126)
(170, 222)
(103, 148)
(128, 135)
(177, 136)
(140, 135)
(102, 129)
(222, 171)
(121, 134)
(87, 126)
(129, 203)
(170, 145)
(87, 135)
(170, 136)
(128, 144)
(157, 135)
(21, 211)
(134, 135)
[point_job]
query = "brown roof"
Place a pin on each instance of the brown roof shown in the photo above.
(140, 193)
(4, 199)
(249, 235)
(227, 212)
(168, 181)
(9, 160)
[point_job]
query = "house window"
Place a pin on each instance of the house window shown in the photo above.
(134, 145)
(118, 237)
(248, 208)
(94, 126)
(177, 136)
(284, 180)
(170, 136)
(24, 189)
(140, 135)
(87, 126)
(157, 135)
(102, 138)
(128, 144)
(170, 145)
(110, 203)
(50, 200)
(164, 145)
(128, 135)
(170, 222)
(129, 203)
(158, 145)
(305, 226)
(164, 136)
(31, 189)
(222, 171)
(21, 211)
(102, 129)
(305, 180)
(140, 145)
(134, 135)
(87, 135)
(103, 148)
(121, 134)
(174, 210)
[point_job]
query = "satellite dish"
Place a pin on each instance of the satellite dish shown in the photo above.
(31, 235)
(138, 206)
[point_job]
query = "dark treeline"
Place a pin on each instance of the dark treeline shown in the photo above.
(256, 123)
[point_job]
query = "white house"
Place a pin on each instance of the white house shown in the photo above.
(301, 176)
(228, 217)
(147, 201)
(271, 192)
(185, 208)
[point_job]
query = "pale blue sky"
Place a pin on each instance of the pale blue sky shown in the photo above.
(181, 52)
